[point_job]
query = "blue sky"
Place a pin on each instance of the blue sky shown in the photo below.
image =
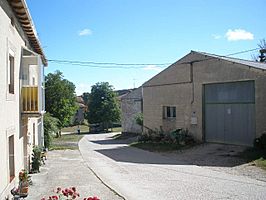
(141, 31)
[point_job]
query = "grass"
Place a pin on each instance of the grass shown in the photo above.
(255, 155)
(116, 129)
(261, 163)
(157, 146)
(73, 129)
(86, 129)
(69, 141)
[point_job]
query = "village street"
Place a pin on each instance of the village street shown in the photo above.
(137, 174)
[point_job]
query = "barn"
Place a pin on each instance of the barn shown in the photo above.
(217, 98)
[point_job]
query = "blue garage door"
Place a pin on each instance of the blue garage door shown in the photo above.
(230, 113)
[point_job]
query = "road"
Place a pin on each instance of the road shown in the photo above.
(136, 174)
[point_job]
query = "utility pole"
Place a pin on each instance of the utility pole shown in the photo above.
(134, 83)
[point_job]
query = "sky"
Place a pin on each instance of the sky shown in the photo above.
(148, 32)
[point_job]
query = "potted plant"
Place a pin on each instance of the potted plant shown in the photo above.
(23, 182)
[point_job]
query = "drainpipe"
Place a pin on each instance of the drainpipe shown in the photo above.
(192, 81)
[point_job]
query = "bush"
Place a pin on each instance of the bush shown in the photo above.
(36, 159)
(261, 141)
(139, 119)
(182, 137)
(179, 136)
(51, 126)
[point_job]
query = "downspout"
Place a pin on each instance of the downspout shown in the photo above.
(192, 82)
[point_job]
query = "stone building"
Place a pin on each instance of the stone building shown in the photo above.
(131, 106)
(218, 99)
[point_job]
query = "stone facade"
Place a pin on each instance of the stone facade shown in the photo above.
(131, 105)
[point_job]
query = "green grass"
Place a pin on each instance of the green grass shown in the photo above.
(261, 163)
(69, 141)
(116, 129)
(157, 146)
(73, 129)
(257, 156)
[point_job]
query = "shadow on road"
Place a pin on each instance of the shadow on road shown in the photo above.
(218, 155)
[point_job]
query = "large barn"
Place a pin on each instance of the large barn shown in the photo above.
(218, 99)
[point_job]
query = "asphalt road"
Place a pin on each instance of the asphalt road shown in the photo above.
(136, 174)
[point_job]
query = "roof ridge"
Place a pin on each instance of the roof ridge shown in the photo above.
(234, 58)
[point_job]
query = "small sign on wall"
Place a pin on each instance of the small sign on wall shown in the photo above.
(194, 119)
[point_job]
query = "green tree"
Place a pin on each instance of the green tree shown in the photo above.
(103, 105)
(50, 127)
(60, 98)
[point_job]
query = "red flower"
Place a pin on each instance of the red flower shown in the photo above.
(74, 189)
(55, 197)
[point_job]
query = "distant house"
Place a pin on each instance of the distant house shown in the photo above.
(79, 116)
(121, 93)
(218, 99)
(22, 64)
(131, 106)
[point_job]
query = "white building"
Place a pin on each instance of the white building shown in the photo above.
(21, 92)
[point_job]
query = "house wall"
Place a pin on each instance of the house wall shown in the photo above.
(131, 105)
(11, 38)
(184, 89)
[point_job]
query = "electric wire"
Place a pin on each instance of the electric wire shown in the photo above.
(114, 65)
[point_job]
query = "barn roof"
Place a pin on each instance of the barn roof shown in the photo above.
(249, 63)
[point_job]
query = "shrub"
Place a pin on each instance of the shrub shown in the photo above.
(261, 141)
(36, 159)
(139, 119)
(179, 136)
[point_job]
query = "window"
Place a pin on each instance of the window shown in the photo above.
(169, 112)
(11, 72)
(11, 158)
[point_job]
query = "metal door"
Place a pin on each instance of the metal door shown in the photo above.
(230, 112)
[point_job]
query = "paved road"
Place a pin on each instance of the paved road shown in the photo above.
(136, 174)
(67, 169)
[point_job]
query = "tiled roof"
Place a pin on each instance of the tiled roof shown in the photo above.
(21, 10)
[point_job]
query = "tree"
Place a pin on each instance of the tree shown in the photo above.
(50, 127)
(261, 57)
(103, 105)
(60, 98)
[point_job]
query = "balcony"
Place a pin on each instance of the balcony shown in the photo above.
(30, 100)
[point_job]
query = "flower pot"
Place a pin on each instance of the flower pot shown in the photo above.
(24, 190)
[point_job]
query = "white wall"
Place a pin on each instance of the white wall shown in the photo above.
(10, 39)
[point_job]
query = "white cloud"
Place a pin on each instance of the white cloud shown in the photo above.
(85, 32)
(82, 87)
(238, 34)
(216, 36)
(153, 68)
